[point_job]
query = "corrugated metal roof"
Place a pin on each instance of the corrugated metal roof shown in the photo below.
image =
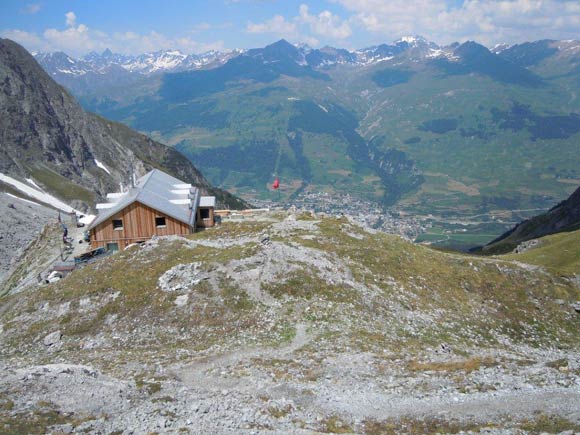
(154, 190)
(207, 201)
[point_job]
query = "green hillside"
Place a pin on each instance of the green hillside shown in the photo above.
(484, 140)
(559, 253)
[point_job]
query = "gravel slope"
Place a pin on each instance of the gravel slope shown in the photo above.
(20, 223)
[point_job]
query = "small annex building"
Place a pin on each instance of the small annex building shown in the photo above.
(157, 205)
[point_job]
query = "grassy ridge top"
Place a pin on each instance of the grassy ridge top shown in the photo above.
(558, 252)
(250, 283)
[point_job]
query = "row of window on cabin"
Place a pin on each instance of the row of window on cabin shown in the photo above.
(159, 220)
(159, 223)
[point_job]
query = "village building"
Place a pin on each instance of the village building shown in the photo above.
(157, 205)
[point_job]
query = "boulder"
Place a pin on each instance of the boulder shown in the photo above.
(52, 338)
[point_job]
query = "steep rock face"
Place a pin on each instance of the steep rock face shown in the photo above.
(46, 135)
(563, 217)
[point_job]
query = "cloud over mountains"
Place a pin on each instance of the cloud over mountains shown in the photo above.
(346, 23)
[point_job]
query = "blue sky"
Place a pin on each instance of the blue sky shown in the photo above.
(80, 26)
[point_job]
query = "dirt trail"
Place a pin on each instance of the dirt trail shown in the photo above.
(206, 373)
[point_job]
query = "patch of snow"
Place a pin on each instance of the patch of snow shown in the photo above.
(76, 72)
(435, 53)
(408, 39)
(377, 59)
(22, 199)
(87, 219)
(498, 48)
(103, 167)
(38, 194)
(31, 181)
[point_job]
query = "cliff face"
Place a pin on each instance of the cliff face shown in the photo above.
(563, 217)
(47, 136)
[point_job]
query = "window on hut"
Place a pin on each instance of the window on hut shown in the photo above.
(117, 224)
(204, 213)
(160, 222)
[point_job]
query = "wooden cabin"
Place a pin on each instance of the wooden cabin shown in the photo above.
(158, 205)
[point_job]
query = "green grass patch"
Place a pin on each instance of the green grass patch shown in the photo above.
(466, 366)
(428, 426)
(335, 424)
(559, 253)
(60, 186)
(545, 423)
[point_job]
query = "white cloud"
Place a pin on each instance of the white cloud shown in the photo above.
(31, 8)
(276, 25)
(325, 24)
(200, 27)
(304, 26)
(487, 21)
(29, 40)
(203, 26)
(79, 39)
(71, 19)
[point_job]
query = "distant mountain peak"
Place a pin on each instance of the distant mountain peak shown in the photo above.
(471, 48)
(411, 39)
(281, 49)
(303, 46)
(281, 43)
(498, 48)
(168, 60)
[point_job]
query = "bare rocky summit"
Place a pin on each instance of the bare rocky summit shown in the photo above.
(292, 324)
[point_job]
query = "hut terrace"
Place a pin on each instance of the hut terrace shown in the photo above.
(158, 205)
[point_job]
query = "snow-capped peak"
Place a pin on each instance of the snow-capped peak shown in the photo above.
(304, 47)
(498, 48)
(411, 40)
(408, 39)
(174, 53)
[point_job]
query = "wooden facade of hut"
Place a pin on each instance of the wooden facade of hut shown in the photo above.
(158, 205)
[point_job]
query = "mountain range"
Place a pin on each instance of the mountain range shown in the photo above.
(163, 61)
(49, 140)
(469, 139)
